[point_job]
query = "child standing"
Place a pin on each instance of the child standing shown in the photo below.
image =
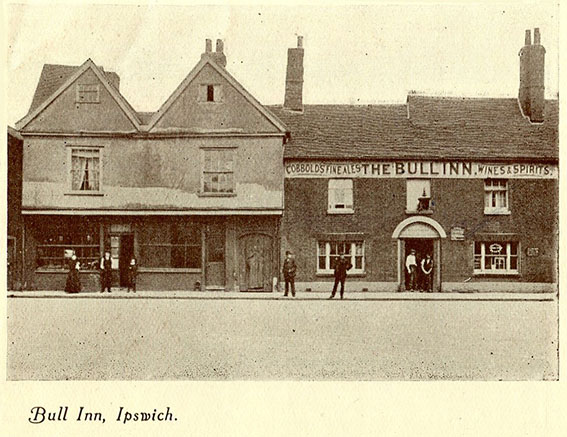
(132, 272)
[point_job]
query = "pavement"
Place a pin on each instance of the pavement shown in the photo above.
(121, 293)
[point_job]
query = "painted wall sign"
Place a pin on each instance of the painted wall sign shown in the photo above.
(412, 169)
(457, 234)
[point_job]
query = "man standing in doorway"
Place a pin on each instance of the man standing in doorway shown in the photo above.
(288, 270)
(342, 265)
(411, 266)
(105, 272)
(427, 270)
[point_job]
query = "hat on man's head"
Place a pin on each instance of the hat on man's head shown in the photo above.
(288, 252)
(413, 251)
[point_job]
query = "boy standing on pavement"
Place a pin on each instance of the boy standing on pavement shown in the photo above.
(341, 267)
(288, 270)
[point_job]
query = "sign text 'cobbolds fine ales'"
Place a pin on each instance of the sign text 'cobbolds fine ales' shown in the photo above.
(426, 169)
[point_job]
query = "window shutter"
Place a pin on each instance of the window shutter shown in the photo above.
(218, 93)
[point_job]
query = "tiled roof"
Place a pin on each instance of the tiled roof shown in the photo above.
(54, 76)
(438, 128)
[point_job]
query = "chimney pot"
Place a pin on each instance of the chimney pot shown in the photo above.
(537, 38)
(528, 38)
(299, 42)
(220, 46)
(208, 46)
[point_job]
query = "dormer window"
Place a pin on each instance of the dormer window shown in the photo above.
(87, 93)
(210, 93)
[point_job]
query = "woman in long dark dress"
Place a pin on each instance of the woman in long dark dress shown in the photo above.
(73, 284)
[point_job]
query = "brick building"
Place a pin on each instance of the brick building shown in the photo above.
(471, 181)
(194, 190)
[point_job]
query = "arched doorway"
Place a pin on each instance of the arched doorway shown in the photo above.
(422, 234)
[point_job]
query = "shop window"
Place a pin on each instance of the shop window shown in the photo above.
(496, 196)
(85, 169)
(328, 252)
(87, 93)
(418, 196)
(496, 257)
(340, 196)
(210, 93)
(58, 241)
(218, 172)
(173, 246)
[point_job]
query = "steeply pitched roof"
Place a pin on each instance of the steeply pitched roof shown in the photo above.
(56, 78)
(54, 75)
(230, 79)
(437, 128)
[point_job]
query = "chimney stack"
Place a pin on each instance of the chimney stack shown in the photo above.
(294, 78)
(531, 95)
(218, 55)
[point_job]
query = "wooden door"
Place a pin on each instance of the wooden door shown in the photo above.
(255, 262)
(214, 256)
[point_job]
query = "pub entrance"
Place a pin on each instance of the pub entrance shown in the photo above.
(424, 235)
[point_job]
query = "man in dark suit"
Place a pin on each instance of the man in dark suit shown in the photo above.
(289, 269)
(342, 265)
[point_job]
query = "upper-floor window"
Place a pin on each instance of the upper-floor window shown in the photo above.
(210, 93)
(418, 195)
(496, 196)
(85, 169)
(87, 93)
(496, 257)
(218, 171)
(340, 196)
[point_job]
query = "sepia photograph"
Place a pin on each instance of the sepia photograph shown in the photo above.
(282, 193)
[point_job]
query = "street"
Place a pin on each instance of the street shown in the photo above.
(259, 339)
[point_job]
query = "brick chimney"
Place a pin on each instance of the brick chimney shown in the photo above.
(531, 95)
(294, 78)
(218, 55)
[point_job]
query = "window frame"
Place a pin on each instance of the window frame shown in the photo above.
(78, 92)
(203, 93)
(75, 147)
(331, 206)
(507, 271)
(204, 151)
(185, 244)
(496, 210)
(415, 209)
(328, 270)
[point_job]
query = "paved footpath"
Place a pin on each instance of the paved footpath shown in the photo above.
(357, 295)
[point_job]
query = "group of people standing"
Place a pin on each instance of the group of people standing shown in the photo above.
(341, 266)
(419, 272)
(73, 282)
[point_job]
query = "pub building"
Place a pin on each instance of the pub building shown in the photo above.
(473, 182)
(193, 191)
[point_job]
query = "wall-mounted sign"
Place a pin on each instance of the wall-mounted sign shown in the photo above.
(532, 251)
(495, 248)
(457, 233)
(412, 169)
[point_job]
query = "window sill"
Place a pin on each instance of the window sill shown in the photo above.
(85, 193)
(479, 273)
(415, 212)
(166, 270)
(340, 211)
(497, 212)
(62, 271)
(216, 194)
(332, 275)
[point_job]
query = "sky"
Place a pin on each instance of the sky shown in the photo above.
(353, 54)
